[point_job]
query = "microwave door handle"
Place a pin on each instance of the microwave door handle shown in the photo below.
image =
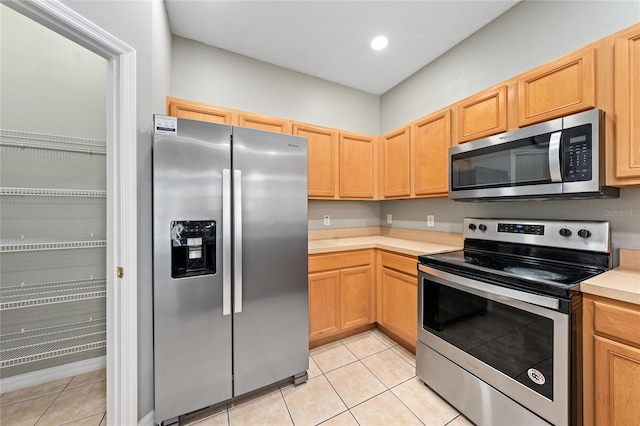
(554, 157)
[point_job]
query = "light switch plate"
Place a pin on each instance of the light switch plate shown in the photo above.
(327, 220)
(431, 221)
(389, 219)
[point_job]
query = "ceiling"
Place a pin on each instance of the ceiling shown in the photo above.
(330, 39)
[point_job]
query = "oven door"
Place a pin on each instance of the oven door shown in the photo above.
(516, 342)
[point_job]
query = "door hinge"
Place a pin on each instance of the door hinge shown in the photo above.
(120, 272)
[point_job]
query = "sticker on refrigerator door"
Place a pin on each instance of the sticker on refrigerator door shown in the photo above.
(536, 376)
(166, 125)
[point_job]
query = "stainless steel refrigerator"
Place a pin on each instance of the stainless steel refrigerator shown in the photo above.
(230, 266)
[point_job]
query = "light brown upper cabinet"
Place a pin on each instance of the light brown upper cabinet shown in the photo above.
(182, 108)
(396, 163)
(483, 114)
(263, 122)
(430, 147)
(357, 166)
(558, 88)
(322, 153)
(627, 105)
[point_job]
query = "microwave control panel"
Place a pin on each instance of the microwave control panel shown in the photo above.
(577, 154)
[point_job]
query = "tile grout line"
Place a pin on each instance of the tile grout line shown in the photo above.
(358, 359)
(49, 406)
(336, 391)
(451, 421)
(285, 404)
(390, 389)
(402, 402)
(82, 418)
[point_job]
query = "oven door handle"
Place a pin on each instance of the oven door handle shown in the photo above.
(484, 289)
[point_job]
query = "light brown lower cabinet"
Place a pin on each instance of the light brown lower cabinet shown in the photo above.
(397, 286)
(341, 292)
(611, 362)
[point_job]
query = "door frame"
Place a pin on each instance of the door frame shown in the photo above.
(122, 240)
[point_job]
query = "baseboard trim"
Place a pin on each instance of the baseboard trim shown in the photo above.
(148, 420)
(12, 383)
(341, 335)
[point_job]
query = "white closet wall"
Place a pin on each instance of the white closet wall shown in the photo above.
(52, 199)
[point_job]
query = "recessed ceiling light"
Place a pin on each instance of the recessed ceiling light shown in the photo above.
(379, 43)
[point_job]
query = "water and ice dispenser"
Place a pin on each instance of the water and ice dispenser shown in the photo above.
(193, 248)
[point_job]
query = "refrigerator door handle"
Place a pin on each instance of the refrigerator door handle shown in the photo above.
(226, 242)
(237, 237)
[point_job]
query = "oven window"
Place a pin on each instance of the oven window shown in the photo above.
(517, 343)
(521, 162)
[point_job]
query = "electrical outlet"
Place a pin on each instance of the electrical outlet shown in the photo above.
(327, 220)
(389, 219)
(431, 221)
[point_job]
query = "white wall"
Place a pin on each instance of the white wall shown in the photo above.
(527, 35)
(48, 83)
(343, 214)
(214, 76)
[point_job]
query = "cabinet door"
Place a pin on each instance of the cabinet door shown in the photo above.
(617, 383)
(263, 122)
(399, 304)
(396, 163)
(356, 170)
(355, 297)
(431, 142)
(197, 111)
(324, 304)
(627, 98)
(483, 115)
(561, 87)
(322, 159)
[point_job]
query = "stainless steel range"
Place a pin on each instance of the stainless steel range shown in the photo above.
(499, 321)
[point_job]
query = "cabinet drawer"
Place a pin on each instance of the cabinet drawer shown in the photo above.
(337, 261)
(405, 264)
(617, 321)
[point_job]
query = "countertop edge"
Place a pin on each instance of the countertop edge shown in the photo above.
(618, 284)
(407, 247)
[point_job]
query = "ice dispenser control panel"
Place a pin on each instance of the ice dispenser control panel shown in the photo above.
(193, 248)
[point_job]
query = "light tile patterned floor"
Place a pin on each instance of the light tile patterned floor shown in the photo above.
(363, 380)
(74, 401)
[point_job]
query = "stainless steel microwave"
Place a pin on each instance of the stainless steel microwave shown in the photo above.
(561, 158)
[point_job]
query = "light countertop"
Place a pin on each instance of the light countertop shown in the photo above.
(408, 247)
(619, 284)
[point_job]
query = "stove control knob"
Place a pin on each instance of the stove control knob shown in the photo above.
(472, 226)
(565, 232)
(482, 227)
(584, 233)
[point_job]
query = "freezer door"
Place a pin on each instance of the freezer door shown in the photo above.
(192, 337)
(271, 308)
